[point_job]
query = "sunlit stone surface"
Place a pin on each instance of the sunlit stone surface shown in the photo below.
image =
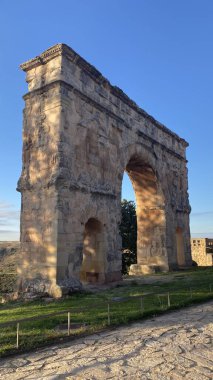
(80, 134)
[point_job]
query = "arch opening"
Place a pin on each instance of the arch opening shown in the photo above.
(93, 262)
(180, 247)
(151, 221)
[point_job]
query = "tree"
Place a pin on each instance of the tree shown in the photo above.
(128, 231)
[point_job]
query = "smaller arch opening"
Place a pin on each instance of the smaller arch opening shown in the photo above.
(180, 247)
(93, 263)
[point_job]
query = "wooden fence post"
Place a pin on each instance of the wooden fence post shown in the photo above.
(142, 305)
(17, 335)
(68, 323)
(169, 304)
(108, 313)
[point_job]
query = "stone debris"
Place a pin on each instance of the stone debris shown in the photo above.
(173, 353)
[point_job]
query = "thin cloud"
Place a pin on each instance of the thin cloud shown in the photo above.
(202, 213)
(4, 205)
(9, 218)
(3, 223)
(8, 232)
(202, 235)
(8, 235)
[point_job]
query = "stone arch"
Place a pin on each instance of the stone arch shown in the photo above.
(150, 209)
(95, 133)
(180, 247)
(93, 261)
(136, 149)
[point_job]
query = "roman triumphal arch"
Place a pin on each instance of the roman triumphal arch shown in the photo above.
(80, 134)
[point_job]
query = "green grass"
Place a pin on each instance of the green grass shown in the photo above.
(184, 288)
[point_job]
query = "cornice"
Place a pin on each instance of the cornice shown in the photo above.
(41, 59)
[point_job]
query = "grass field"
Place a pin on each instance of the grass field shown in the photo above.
(184, 288)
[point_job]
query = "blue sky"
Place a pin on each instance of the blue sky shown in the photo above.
(160, 52)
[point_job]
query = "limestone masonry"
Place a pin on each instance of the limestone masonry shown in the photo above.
(80, 134)
(202, 251)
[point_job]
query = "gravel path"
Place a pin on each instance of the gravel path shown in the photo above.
(177, 345)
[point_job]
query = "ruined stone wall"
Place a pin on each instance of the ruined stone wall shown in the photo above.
(80, 135)
(200, 252)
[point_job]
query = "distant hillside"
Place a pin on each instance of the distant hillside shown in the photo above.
(9, 256)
